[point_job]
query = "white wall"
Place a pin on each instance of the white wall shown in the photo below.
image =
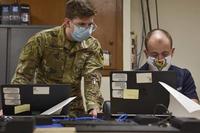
(181, 18)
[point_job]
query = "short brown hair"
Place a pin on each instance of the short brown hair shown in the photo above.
(79, 8)
(149, 34)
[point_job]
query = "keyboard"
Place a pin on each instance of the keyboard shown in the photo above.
(68, 123)
(16, 125)
(114, 126)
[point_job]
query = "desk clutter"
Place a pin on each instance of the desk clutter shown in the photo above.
(14, 14)
(141, 123)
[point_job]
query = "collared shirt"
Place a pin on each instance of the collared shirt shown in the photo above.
(49, 58)
(185, 83)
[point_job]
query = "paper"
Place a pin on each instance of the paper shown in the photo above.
(106, 57)
(41, 90)
(58, 106)
(187, 103)
(10, 90)
(11, 96)
(131, 94)
(12, 101)
(117, 93)
(119, 85)
(179, 111)
(119, 77)
(144, 78)
(22, 108)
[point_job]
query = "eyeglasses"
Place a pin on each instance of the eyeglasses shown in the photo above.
(91, 25)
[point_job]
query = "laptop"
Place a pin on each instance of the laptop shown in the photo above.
(32, 99)
(138, 92)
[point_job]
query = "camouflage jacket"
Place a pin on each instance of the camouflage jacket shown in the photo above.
(49, 58)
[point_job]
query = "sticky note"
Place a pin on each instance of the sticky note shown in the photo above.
(131, 94)
(21, 108)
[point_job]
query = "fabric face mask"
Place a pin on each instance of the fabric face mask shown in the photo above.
(159, 65)
(81, 33)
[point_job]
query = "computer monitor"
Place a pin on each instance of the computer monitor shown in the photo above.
(138, 92)
(32, 99)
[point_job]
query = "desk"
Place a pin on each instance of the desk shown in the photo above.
(85, 127)
(106, 129)
(55, 130)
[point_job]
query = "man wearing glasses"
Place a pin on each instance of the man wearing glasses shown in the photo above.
(65, 54)
(159, 52)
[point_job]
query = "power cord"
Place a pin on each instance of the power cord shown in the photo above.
(122, 118)
(77, 119)
(163, 122)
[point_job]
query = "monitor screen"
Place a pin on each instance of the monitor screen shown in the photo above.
(138, 92)
(32, 99)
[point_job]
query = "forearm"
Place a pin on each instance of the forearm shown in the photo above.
(93, 94)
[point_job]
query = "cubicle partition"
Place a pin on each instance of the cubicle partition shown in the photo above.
(12, 39)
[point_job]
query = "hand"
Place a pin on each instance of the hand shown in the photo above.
(1, 112)
(94, 112)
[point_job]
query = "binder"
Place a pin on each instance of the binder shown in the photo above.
(15, 14)
(5, 14)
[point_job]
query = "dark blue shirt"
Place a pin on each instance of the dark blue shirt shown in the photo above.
(185, 82)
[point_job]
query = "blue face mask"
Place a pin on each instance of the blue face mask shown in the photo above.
(82, 33)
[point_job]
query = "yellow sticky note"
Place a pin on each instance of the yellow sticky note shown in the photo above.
(21, 108)
(131, 94)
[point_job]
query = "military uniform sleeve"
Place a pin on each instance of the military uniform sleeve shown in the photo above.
(28, 62)
(92, 78)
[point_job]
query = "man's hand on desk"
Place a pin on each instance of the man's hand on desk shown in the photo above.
(94, 112)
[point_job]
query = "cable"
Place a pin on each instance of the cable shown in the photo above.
(86, 118)
(143, 35)
(149, 15)
(78, 119)
(162, 122)
(122, 118)
(157, 21)
(160, 105)
(140, 53)
(143, 19)
(144, 26)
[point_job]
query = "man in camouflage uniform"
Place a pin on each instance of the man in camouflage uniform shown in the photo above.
(65, 54)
